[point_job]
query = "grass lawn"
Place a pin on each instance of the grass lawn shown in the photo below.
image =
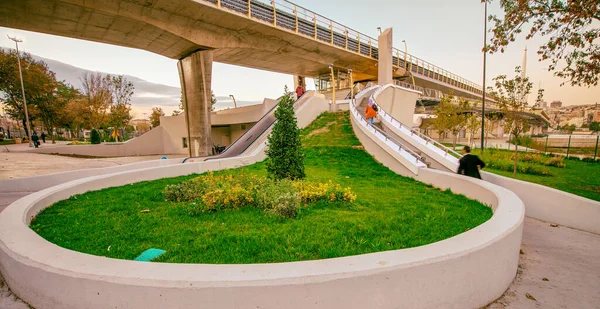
(391, 212)
(7, 142)
(580, 178)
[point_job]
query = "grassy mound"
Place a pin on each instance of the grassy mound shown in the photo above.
(390, 212)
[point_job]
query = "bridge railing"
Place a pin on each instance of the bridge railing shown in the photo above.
(292, 17)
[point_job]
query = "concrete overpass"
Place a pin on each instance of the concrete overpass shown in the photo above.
(276, 36)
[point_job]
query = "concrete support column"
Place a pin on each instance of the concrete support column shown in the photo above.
(299, 80)
(195, 74)
(385, 65)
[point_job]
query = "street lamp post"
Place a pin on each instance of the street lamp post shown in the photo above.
(483, 95)
(406, 65)
(234, 102)
(17, 41)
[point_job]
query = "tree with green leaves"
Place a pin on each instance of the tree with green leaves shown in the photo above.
(450, 117)
(53, 110)
(286, 157)
(595, 126)
(473, 125)
(121, 90)
(571, 29)
(157, 112)
(39, 83)
(511, 96)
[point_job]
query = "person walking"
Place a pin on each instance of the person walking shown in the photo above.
(371, 113)
(300, 91)
(43, 136)
(35, 139)
(470, 164)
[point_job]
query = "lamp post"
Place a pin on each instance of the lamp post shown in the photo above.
(406, 65)
(332, 84)
(483, 95)
(17, 41)
(351, 86)
(379, 28)
(234, 102)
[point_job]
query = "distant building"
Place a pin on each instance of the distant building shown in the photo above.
(556, 104)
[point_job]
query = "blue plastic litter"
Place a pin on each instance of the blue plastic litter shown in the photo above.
(150, 255)
(163, 158)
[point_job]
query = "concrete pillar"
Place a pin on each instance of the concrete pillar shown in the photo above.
(299, 80)
(195, 74)
(384, 67)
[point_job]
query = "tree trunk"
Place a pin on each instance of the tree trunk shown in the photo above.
(516, 161)
(25, 128)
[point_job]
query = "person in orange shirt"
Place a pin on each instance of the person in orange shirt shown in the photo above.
(371, 113)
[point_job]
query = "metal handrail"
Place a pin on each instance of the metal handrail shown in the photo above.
(418, 158)
(427, 139)
(292, 17)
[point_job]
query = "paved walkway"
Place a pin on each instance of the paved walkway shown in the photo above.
(569, 259)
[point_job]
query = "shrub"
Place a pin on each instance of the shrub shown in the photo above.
(283, 197)
(95, 137)
(314, 191)
(286, 158)
(574, 158)
(556, 162)
(279, 197)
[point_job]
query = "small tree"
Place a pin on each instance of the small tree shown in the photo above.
(511, 95)
(595, 126)
(286, 158)
(95, 137)
(473, 126)
(450, 117)
(157, 112)
(570, 29)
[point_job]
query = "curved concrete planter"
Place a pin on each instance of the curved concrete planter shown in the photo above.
(466, 271)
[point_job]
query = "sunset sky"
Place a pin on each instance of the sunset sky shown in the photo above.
(446, 33)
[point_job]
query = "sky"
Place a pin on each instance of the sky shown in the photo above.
(443, 32)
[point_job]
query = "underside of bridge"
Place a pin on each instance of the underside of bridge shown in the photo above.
(198, 32)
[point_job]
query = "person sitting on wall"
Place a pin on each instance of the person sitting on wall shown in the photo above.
(470, 164)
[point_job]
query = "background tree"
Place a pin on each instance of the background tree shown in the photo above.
(176, 113)
(38, 81)
(595, 126)
(157, 112)
(570, 26)
(491, 120)
(473, 125)
(450, 117)
(286, 158)
(97, 96)
(53, 110)
(511, 96)
(570, 128)
(120, 111)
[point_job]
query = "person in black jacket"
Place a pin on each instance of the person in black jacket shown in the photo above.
(469, 164)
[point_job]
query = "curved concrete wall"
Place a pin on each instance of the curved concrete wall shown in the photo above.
(542, 203)
(552, 205)
(465, 271)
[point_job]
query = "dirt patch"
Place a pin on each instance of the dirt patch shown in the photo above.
(322, 130)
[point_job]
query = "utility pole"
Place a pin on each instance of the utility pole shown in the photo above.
(483, 95)
(17, 41)
(234, 102)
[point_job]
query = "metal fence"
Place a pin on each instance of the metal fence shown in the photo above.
(570, 145)
(292, 17)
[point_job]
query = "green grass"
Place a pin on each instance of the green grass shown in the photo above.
(580, 178)
(391, 212)
(7, 142)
